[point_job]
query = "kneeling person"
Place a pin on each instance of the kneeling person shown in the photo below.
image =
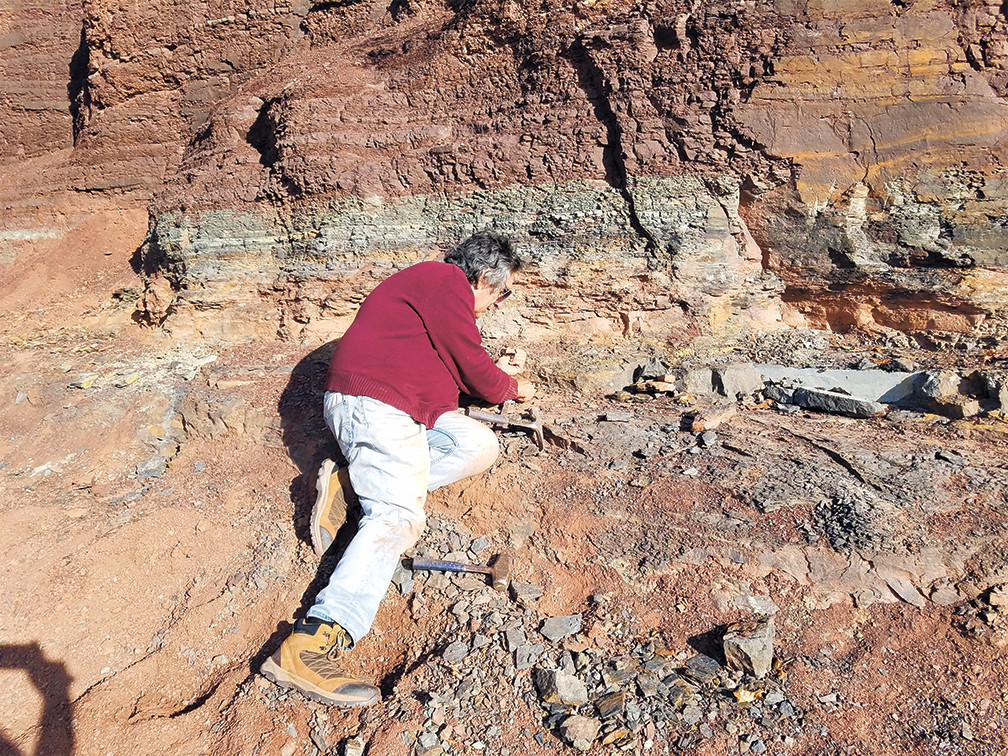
(391, 401)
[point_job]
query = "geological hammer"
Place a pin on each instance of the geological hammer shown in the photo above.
(499, 570)
(494, 418)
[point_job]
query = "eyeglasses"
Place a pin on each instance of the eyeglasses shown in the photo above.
(505, 293)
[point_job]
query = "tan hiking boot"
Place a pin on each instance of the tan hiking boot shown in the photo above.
(334, 496)
(309, 661)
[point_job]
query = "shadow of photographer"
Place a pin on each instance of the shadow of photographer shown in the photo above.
(51, 679)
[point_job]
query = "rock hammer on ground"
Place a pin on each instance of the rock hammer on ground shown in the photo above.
(499, 569)
(534, 423)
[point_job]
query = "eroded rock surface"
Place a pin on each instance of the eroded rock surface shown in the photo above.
(833, 165)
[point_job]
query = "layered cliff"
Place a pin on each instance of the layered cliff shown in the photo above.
(676, 168)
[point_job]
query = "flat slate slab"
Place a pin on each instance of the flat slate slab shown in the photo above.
(836, 403)
(875, 385)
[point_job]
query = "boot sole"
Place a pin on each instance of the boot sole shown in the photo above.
(322, 494)
(277, 674)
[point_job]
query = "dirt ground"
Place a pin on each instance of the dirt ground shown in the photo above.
(154, 496)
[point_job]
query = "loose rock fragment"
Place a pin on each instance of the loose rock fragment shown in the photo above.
(619, 670)
(513, 638)
(580, 732)
(611, 705)
(559, 687)
(525, 594)
(712, 418)
(127, 380)
(896, 365)
(692, 714)
(556, 628)
(653, 369)
(617, 417)
(528, 655)
(836, 403)
(748, 646)
(951, 456)
(658, 387)
(428, 740)
(703, 669)
(619, 736)
(83, 381)
(455, 652)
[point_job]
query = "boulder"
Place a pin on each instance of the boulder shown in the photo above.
(733, 380)
(939, 385)
(699, 382)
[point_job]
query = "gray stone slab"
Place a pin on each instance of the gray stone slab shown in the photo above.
(836, 403)
(742, 378)
(699, 382)
(876, 385)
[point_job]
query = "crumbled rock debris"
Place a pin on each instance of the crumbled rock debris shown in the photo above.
(986, 615)
(853, 519)
(497, 651)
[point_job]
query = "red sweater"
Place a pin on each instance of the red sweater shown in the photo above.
(414, 345)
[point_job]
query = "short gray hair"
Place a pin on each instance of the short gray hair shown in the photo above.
(487, 255)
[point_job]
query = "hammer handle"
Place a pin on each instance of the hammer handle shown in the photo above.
(487, 417)
(425, 564)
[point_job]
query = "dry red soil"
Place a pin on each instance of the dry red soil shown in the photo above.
(135, 611)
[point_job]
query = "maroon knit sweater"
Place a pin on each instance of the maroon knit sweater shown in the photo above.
(414, 345)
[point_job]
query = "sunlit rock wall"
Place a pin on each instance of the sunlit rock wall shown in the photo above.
(703, 170)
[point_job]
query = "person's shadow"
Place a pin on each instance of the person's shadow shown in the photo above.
(308, 442)
(51, 679)
(304, 432)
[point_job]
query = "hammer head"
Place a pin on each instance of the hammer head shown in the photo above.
(500, 572)
(536, 427)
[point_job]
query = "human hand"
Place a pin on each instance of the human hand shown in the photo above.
(512, 361)
(526, 390)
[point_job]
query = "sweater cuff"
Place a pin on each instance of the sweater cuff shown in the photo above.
(512, 391)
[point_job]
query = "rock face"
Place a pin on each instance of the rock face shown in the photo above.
(740, 165)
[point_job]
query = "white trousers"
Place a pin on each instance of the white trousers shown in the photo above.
(393, 461)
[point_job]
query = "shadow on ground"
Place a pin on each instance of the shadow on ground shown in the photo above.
(710, 643)
(308, 442)
(51, 679)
